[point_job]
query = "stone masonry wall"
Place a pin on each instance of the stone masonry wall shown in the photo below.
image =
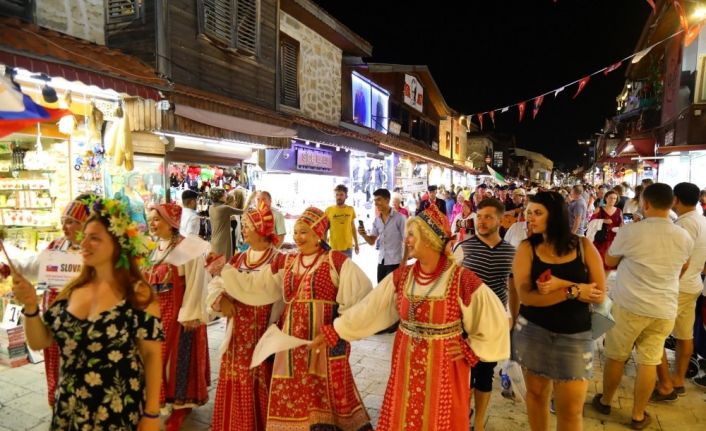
(84, 19)
(319, 72)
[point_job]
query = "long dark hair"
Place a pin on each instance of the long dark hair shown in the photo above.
(558, 231)
(129, 279)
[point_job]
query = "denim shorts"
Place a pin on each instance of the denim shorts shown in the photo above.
(552, 355)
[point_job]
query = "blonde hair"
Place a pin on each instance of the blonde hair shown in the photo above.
(424, 233)
(239, 199)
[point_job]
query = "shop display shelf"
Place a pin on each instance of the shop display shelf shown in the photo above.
(23, 190)
(28, 208)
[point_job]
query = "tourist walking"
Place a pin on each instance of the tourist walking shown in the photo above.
(219, 213)
(106, 323)
(650, 256)
(490, 258)
(612, 218)
(341, 218)
(557, 275)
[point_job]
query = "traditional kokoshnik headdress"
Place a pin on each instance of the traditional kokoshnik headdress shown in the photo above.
(435, 221)
(264, 222)
(316, 220)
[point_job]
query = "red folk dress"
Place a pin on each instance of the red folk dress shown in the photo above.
(242, 393)
(187, 372)
(617, 221)
(309, 390)
(428, 388)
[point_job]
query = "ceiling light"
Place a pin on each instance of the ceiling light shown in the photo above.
(699, 13)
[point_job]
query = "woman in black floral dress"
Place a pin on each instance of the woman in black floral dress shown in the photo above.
(107, 326)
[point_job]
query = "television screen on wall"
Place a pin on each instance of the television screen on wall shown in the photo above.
(370, 103)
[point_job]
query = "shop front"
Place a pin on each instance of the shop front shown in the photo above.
(683, 166)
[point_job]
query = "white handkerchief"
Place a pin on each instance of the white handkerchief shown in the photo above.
(273, 341)
(188, 249)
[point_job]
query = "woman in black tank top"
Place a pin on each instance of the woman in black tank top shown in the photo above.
(557, 276)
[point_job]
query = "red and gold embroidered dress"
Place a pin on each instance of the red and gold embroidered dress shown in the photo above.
(310, 390)
(181, 293)
(428, 388)
(242, 393)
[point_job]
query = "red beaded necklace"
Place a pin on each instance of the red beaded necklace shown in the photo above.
(265, 257)
(424, 279)
(316, 259)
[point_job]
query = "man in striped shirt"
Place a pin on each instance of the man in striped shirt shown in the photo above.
(490, 257)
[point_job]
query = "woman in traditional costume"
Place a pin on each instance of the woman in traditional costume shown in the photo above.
(72, 222)
(241, 397)
(310, 389)
(178, 277)
(449, 319)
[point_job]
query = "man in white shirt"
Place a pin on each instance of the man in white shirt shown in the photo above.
(190, 220)
(651, 256)
(686, 205)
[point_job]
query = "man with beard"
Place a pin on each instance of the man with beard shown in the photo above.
(490, 257)
(341, 218)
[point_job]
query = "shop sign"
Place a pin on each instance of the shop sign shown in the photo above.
(413, 93)
(314, 159)
(57, 268)
(414, 185)
(11, 316)
(498, 159)
(370, 103)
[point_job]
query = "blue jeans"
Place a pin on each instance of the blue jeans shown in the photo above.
(348, 252)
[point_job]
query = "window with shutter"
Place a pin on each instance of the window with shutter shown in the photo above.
(122, 10)
(247, 26)
(289, 71)
(234, 23)
(19, 8)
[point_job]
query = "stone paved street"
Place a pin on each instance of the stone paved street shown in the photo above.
(23, 402)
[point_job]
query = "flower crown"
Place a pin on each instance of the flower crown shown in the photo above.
(133, 243)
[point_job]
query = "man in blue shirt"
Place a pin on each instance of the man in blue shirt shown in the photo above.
(389, 228)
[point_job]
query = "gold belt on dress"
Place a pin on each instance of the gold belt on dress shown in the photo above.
(430, 331)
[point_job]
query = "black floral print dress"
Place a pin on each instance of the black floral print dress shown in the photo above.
(101, 379)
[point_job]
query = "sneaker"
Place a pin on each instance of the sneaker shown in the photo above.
(700, 381)
(640, 425)
(599, 406)
(659, 397)
(680, 390)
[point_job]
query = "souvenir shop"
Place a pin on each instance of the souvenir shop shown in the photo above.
(90, 147)
(411, 179)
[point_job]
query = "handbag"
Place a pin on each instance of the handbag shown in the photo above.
(601, 318)
(602, 233)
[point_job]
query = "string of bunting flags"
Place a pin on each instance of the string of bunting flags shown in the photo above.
(690, 34)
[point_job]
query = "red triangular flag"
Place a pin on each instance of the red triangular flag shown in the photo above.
(480, 119)
(612, 67)
(582, 83)
(521, 107)
(537, 103)
(652, 3)
(492, 117)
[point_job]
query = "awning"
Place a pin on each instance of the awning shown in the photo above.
(406, 147)
(41, 50)
(675, 148)
(315, 135)
(235, 124)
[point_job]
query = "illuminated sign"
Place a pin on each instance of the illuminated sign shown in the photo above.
(370, 103)
(314, 159)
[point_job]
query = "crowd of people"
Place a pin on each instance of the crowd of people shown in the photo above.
(465, 280)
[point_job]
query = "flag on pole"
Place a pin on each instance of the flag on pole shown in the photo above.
(492, 117)
(612, 67)
(558, 90)
(505, 109)
(480, 119)
(496, 175)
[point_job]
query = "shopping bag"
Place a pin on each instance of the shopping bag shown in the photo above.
(513, 382)
(601, 318)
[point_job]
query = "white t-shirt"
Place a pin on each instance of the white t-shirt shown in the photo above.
(517, 233)
(695, 225)
(653, 252)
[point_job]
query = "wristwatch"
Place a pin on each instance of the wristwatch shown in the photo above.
(572, 292)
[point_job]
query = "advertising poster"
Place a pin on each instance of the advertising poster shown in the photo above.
(413, 93)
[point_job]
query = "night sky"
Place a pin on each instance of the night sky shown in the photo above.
(493, 53)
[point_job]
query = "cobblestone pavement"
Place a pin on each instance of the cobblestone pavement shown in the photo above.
(23, 404)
